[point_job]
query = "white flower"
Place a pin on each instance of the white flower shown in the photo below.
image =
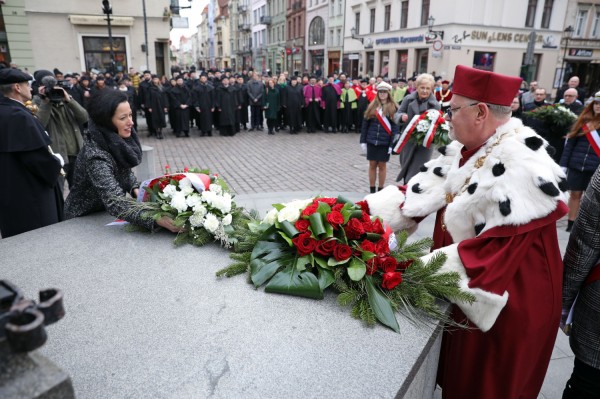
(193, 200)
(291, 214)
(215, 188)
(187, 190)
(200, 209)
(196, 219)
(432, 114)
(225, 204)
(179, 202)
(211, 223)
(270, 217)
(423, 126)
(227, 220)
(169, 190)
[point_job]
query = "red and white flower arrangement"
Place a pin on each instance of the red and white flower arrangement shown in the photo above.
(424, 129)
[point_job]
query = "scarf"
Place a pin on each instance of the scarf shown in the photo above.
(126, 152)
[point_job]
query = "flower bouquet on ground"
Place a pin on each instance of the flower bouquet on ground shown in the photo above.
(198, 202)
(558, 118)
(429, 127)
(304, 247)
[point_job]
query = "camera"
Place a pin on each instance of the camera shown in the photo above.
(54, 89)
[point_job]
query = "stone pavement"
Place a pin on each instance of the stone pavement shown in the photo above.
(254, 162)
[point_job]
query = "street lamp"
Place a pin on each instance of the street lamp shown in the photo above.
(355, 36)
(107, 9)
(568, 33)
(430, 22)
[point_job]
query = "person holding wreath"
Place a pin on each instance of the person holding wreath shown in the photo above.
(377, 134)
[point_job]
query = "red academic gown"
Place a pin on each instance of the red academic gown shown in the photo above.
(510, 360)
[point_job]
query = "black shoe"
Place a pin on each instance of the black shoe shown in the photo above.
(251, 129)
(271, 132)
(187, 133)
(209, 134)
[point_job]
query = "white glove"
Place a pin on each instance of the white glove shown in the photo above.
(363, 147)
(390, 151)
(60, 158)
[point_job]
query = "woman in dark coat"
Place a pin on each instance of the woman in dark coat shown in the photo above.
(271, 105)
(292, 100)
(157, 104)
(103, 175)
(180, 100)
(413, 156)
(242, 101)
(226, 104)
(579, 157)
(377, 134)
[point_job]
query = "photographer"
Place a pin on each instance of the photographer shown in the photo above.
(61, 116)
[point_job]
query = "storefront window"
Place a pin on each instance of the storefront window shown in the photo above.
(422, 58)
(96, 51)
(402, 64)
(484, 60)
(316, 31)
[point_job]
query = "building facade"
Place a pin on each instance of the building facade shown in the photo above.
(276, 35)
(335, 37)
(408, 37)
(317, 18)
(259, 18)
(73, 36)
(295, 39)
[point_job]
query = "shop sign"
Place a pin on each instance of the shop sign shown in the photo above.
(317, 52)
(580, 52)
(400, 39)
(353, 57)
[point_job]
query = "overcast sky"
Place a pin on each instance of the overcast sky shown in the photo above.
(194, 17)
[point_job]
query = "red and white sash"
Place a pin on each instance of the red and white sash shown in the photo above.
(387, 126)
(593, 137)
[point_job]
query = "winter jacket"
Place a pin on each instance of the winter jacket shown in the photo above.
(373, 133)
(411, 106)
(255, 91)
(579, 155)
(272, 103)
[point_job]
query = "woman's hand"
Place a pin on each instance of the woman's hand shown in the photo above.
(404, 118)
(168, 224)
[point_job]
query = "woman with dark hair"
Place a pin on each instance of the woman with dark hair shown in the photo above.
(103, 175)
(377, 134)
(271, 105)
(580, 157)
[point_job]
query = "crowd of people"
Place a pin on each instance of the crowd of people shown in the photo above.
(497, 190)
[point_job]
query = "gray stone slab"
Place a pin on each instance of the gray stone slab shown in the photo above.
(557, 376)
(145, 319)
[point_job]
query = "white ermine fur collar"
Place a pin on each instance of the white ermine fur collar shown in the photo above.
(518, 182)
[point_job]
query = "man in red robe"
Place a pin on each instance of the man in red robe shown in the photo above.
(497, 194)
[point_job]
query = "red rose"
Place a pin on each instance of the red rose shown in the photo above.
(378, 227)
(368, 246)
(365, 217)
(335, 219)
(391, 280)
(371, 266)
(368, 226)
(383, 248)
(404, 265)
(302, 225)
(364, 206)
(304, 243)
(177, 177)
(325, 247)
(328, 201)
(354, 229)
(388, 264)
(337, 207)
(342, 252)
(309, 210)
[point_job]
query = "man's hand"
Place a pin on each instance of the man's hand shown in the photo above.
(168, 224)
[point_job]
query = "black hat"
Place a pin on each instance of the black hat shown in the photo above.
(330, 76)
(10, 75)
(203, 74)
(146, 71)
(394, 80)
(364, 80)
(85, 77)
(99, 77)
(57, 72)
(40, 74)
(402, 81)
(224, 77)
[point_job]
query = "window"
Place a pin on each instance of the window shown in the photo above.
(386, 18)
(316, 31)
(530, 18)
(340, 11)
(484, 60)
(332, 8)
(596, 25)
(96, 51)
(580, 22)
(331, 38)
(339, 37)
(372, 21)
(290, 30)
(548, 4)
(425, 13)
(357, 22)
(404, 15)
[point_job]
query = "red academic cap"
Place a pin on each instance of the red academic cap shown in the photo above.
(445, 82)
(484, 86)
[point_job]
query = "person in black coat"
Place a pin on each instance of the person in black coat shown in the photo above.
(180, 100)
(203, 98)
(31, 196)
(157, 105)
(292, 100)
(243, 101)
(125, 87)
(226, 103)
(331, 97)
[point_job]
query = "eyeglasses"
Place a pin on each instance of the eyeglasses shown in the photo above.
(450, 111)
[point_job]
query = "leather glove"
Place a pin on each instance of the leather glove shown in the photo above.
(363, 147)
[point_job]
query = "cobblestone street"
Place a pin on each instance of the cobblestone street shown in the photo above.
(253, 162)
